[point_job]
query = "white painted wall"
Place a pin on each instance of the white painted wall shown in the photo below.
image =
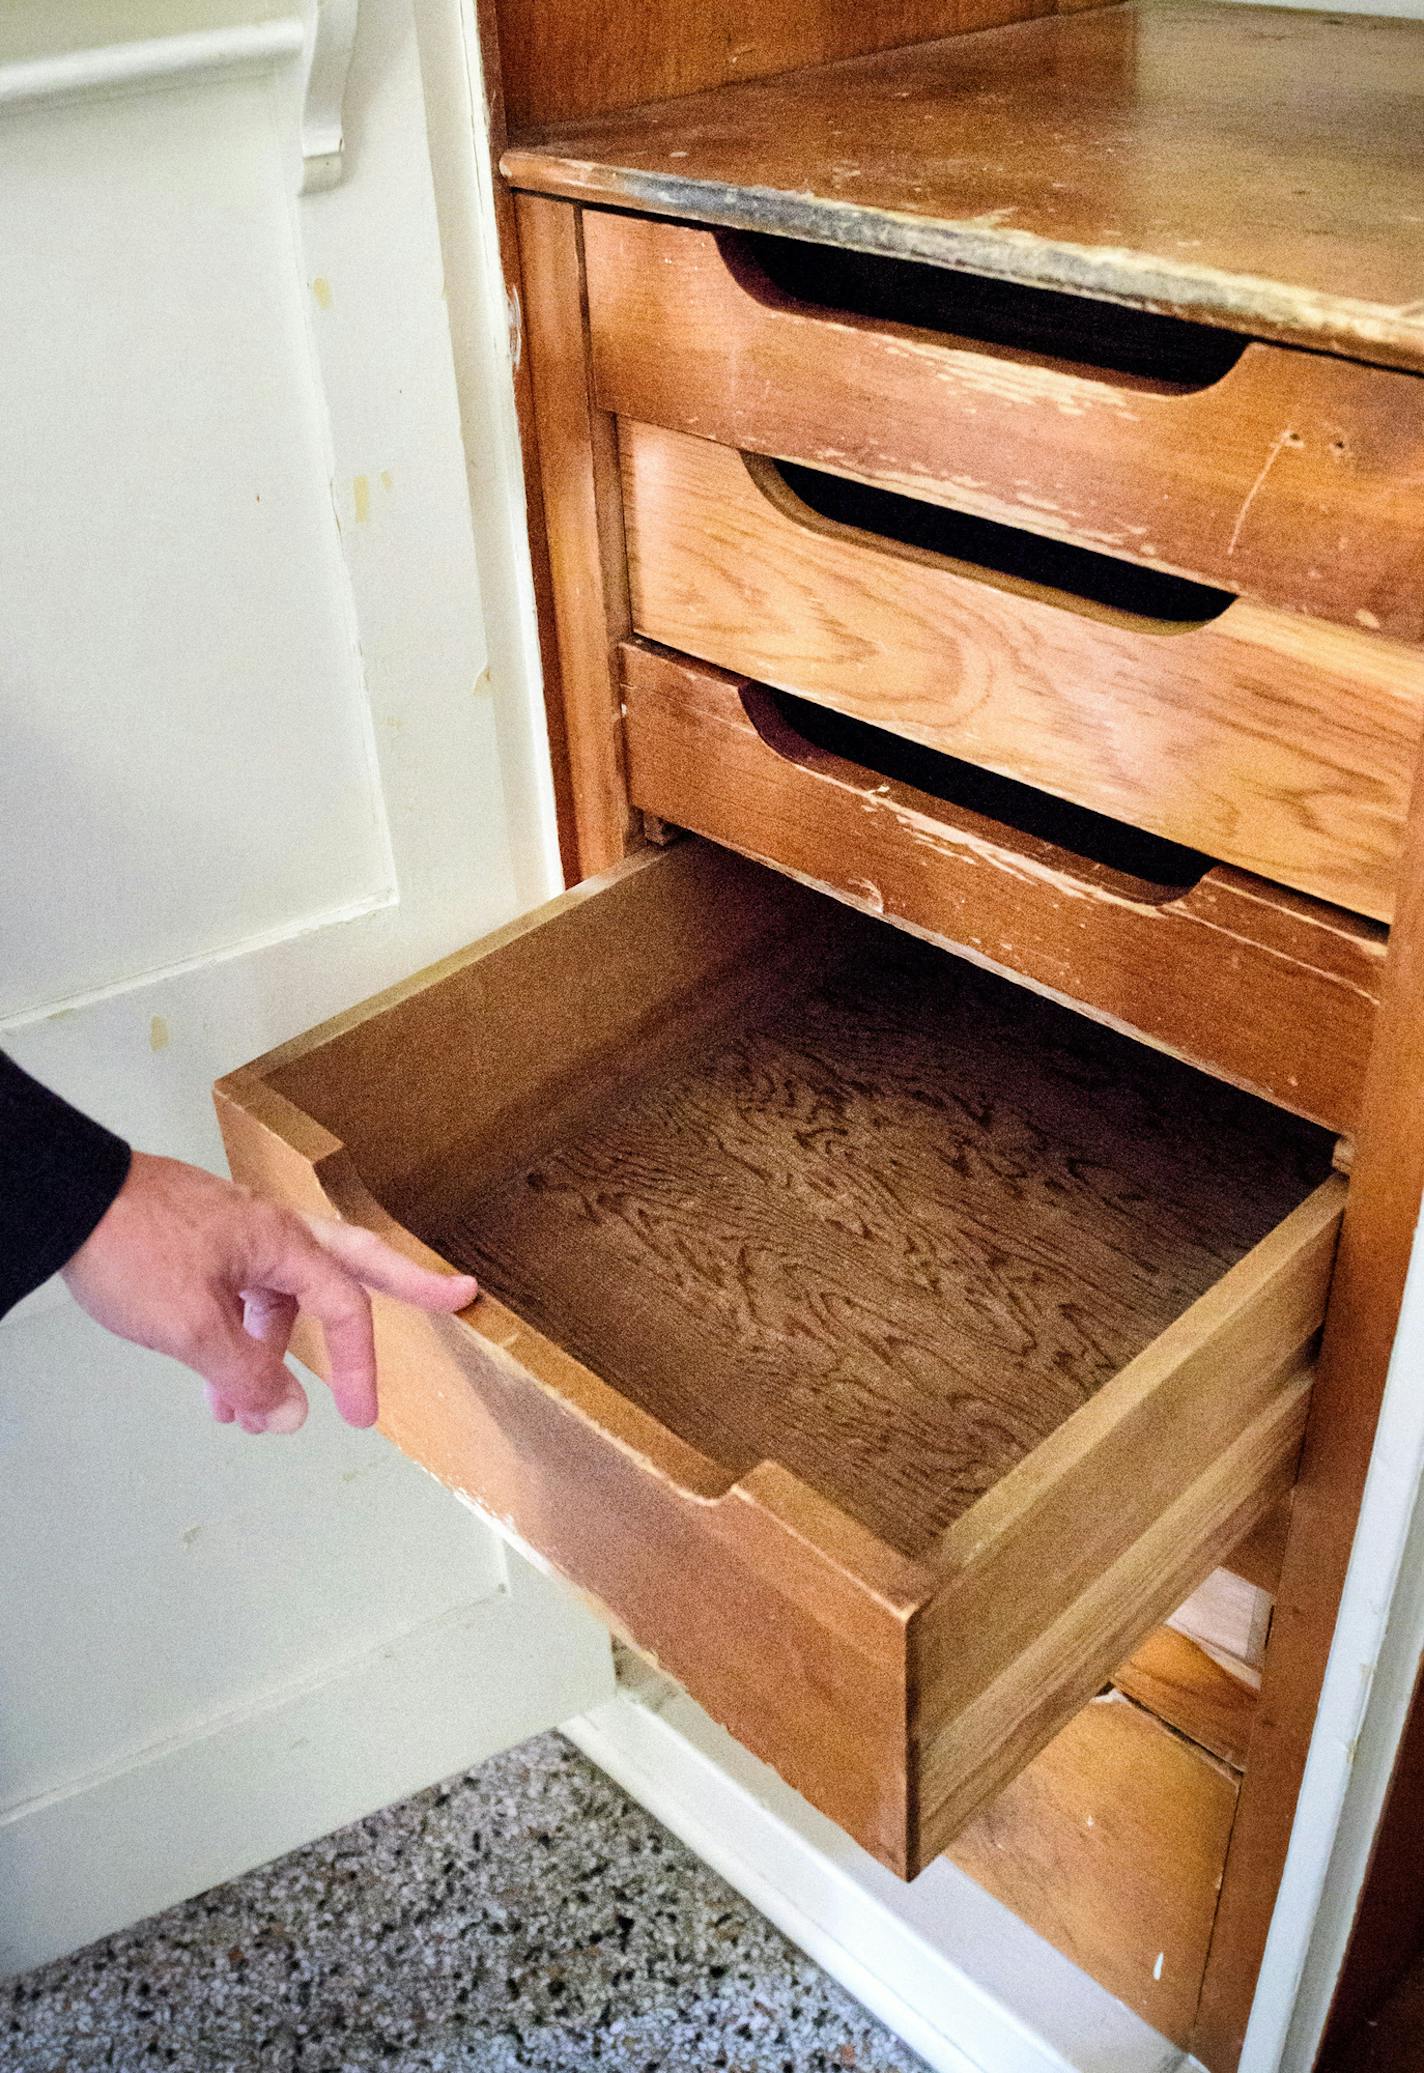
(271, 738)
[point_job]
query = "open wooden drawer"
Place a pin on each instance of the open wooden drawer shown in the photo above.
(1280, 745)
(887, 1349)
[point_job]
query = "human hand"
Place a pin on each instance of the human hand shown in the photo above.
(196, 1268)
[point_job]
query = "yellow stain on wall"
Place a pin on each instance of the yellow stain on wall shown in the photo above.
(158, 1034)
(321, 289)
(361, 497)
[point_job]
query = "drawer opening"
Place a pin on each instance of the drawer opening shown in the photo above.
(853, 1206)
(1149, 599)
(1156, 352)
(1139, 865)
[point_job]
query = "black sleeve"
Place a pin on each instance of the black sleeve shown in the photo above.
(59, 1171)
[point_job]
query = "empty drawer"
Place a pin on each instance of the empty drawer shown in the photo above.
(1281, 745)
(1281, 474)
(1272, 990)
(887, 1349)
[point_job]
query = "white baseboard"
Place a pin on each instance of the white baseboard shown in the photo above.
(940, 1962)
(240, 1790)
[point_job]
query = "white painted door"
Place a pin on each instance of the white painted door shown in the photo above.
(271, 739)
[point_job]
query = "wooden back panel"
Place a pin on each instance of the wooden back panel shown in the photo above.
(563, 59)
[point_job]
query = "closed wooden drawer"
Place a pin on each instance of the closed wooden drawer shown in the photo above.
(1280, 745)
(1272, 990)
(1283, 475)
(886, 1348)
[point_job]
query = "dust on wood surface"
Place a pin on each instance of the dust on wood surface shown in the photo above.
(890, 1231)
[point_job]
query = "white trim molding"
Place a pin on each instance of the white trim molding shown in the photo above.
(331, 40)
(120, 64)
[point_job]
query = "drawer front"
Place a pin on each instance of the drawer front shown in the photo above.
(723, 757)
(885, 1349)
(1292, 478)
(1280, 745)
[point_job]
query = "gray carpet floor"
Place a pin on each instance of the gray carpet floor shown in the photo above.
(526, 1915)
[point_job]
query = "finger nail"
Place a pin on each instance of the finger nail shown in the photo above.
(290, 1415)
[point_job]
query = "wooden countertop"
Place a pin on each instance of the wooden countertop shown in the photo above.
(1254, 167)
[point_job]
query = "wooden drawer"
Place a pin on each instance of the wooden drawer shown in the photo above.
(1283, 475)
(886, 1348)
(1270, 989)
(1279, 745)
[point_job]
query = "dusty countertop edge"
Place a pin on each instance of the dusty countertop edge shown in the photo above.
(1237, 302)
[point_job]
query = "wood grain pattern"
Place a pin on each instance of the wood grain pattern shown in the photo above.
(566, 58)
(1259, 1557)
(1293, 478)
(1251, 170)
(1176, 1679)
(869, 1234)
(749, 1583)
(582, 527)
(714, 754)
(1111, 1845)
(1280, 745)
(1378, 1232)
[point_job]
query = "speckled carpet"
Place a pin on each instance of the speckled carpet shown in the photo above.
(526, 1915)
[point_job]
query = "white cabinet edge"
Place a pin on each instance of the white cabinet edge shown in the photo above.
(139, 63)
(120, 58)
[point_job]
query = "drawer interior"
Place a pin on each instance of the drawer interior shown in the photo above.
(852, 1205)
(883, 1218)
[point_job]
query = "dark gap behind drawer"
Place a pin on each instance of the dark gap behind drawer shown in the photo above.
(1004, 550)
(1093, 837)
(1163, 350)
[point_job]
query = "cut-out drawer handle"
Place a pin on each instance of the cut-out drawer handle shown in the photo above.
(1054, 572)
(1044, 328)
(1071, 840)
(1150, 936)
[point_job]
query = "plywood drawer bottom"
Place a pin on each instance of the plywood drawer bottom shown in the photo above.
(886, 1348)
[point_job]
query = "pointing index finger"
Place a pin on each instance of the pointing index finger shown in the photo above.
(379, 1266)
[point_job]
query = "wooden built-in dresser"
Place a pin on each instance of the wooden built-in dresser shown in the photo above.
(962, 1131)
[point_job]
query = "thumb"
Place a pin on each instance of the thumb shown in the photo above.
(264, 1394)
